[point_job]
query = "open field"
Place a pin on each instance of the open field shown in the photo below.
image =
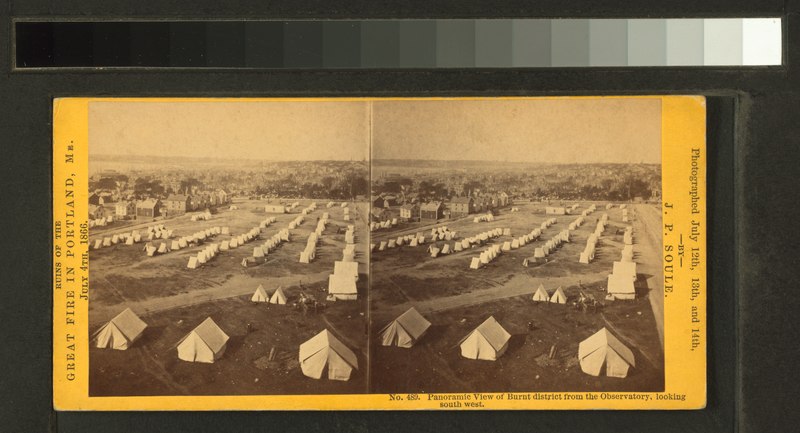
(173, 299)
(456, 299)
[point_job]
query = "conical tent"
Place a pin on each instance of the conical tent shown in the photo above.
(406, 330)
(541, 294)
(206, 343)
(604, 353)
(488, 341)
(278, 297)
(260, 295)
(559, 297)
(324, 354)
(121, 331)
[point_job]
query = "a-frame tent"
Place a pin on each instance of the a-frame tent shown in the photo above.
(405, 330)
(603, 353)
(121, 331)
(488, 341)
(541, 294)
(260, 295)
(278, 297)
(324, 355)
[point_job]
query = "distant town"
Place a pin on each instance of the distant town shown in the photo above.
(431, 190)
(139, 190)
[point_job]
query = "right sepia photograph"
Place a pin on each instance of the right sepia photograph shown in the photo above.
(516, 245)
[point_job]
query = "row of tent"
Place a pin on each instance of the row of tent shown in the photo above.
(101, 222)
(296, 222)
(270, 244)
(442, 233)
(342, 282)
(587, 255)
(308, 209)
(153, 232)
(626, 215)
(558, 296)
(386, 224)
(310, 252)
(278, 297)
(488, 341)
(488, 217)
(323, 355)
(600, 353)
(346, 216)
(588, 211)
(183, 242)
(203, 256)
(203, 216)
(623, 274)
(551, 244)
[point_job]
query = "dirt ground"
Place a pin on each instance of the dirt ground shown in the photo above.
(456, 299)
(151, 366)
(173, 299)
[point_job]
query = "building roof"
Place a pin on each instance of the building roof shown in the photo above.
(431, 206)
(463, 200)
(149, 203)
(408, 206)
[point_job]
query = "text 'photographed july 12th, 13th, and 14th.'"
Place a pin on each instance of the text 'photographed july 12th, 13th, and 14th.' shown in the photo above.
(379, 246)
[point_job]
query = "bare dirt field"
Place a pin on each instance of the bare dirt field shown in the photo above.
(173, 299)
(456, 299)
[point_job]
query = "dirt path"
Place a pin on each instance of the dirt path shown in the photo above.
(517, 286)
(648, 243)
(237, 286)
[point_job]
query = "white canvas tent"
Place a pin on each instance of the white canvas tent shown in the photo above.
(604, 353)
(121, 331)
(324, 353)
(541, 295)
(342, 286)
(621, 287)
(558, 296)
(278, 298)
(260, 295)
(405, 330)
(346, 268)
(625, 269)
(488, 341)
(206, 343)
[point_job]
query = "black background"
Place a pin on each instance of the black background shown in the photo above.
(754, 150)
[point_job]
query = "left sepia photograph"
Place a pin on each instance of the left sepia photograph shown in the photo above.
(228, 247)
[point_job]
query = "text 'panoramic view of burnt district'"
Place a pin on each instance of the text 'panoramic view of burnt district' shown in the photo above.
(219, 276)
(496, 246)
(516, 246)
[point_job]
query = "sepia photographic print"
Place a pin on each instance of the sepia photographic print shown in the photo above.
(528, 246)
(374, 253)
(226, 239)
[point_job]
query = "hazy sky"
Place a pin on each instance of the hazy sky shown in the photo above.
(276, 130)
(542, 130)
(551, 130)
